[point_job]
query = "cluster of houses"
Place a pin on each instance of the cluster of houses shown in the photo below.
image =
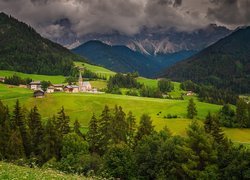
(83, 86)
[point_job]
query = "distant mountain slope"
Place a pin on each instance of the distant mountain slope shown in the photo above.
(23, 49)
(117, 58)
(225, 64)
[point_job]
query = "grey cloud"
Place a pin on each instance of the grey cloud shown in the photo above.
(124, 16)
(230, 12)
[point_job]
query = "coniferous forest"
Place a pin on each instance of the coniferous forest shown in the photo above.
(23, 49)
(118, 147)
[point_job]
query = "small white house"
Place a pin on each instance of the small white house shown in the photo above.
(50, 89)
(75, 89)
(35, 85)
(58, 87)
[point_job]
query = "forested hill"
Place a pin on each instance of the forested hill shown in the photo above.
(117, 58)
(225, 64)
(23, 49)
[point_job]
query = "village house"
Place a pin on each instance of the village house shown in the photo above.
(50, 89)
(58, 87)
(71, 89)
(39, 94)
(190, 93)
(35, 85)
(2, 79)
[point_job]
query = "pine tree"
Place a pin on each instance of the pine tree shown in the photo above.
(62, 122)
(52, 141)
(77, 130)
(131, 128)
(191, 109)
(19, 124)
(241, 113)
(105, 129)
(36, 131)
(208, 123)
(92, 135)
(119, 126)
(204, 153)
(4, 130)
(145, 127)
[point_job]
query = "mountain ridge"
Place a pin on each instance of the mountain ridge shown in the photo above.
(23, 49)
(225, 64)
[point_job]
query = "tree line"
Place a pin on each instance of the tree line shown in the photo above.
(210, 94)
(137, 89)
(116, 146)
(16, 80)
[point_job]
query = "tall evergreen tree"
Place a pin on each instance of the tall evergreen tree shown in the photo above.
(145, 127)
(52, 141)
(131, 128)
(105, 128)
(62, 122)
(19, 123)
(208, 123)
(36, 131)
(191, 109)
(241, 113)
(93, 135)
(205, 154)
(119, 126)
(77, 130)
(4, 130)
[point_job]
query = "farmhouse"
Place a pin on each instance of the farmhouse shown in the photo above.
(35, 85)
(2, 79)
(190, 93)
(58, 87)
(39, 94)
(50, 89)
(71, 89)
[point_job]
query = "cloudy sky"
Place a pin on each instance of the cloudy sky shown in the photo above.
(54, 18)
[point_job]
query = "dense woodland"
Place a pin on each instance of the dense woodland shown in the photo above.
(210, 94)
(116, 146)
(225, 64)
(135, 88)
(23, 49)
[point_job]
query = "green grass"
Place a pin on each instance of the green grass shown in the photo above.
(10, 171)
(96, 69)
(154, 83)
(52, 79)
(81, 106)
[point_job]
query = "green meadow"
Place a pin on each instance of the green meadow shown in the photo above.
(81, 106)
(11, 171)
(34, 77)
(96, 69)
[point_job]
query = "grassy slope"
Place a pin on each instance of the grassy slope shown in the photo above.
(96, 69)
(81, 106)
(10, 171)
(53, 79)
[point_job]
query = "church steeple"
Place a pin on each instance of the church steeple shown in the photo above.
(80, 81)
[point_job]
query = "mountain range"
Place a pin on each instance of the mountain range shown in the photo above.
(225, 64)
(157, 48)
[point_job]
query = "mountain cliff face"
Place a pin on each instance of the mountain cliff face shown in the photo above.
(158, 41)
(117, 58)
(225, 64)
(23, 49)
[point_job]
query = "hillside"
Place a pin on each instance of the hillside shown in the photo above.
(225, 64)
(117, 58)
(11, 171)
(23, 49)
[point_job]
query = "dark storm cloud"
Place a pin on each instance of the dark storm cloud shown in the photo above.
(230, 12)
(124, 16)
